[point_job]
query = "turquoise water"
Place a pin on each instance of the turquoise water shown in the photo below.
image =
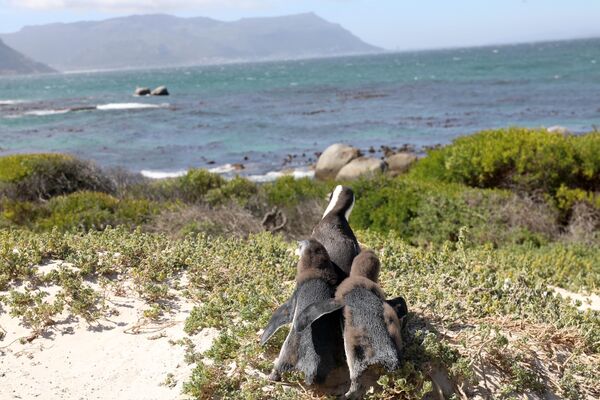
(265, 111)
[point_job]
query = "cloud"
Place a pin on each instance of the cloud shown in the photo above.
(134, 5)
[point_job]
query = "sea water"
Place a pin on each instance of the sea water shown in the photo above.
(276, 115)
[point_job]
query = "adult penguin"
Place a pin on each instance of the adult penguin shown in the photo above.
(334, 232)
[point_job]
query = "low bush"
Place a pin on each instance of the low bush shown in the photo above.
(91, 210)
(529, 160)
(288, 192)
(42, 176)
(190, 188)
(238, 189)
(80, 211)
(432, 212)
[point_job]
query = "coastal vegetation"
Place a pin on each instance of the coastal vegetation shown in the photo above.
(475, 236)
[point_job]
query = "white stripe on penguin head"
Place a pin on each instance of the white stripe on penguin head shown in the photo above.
(349, 210)
(334, 199)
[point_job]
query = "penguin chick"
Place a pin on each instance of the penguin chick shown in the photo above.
(372, 329)
(334, 231)
(315, 351)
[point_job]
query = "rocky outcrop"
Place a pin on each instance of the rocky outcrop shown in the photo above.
(333, 159)
(160, 91)
(142, 91)
(359, 167)
(399, 163)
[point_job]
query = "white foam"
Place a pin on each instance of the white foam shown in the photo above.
(162, 174)
(10, 102)
(43, 113)
(223, 169)
(129, 106)
(273, 175)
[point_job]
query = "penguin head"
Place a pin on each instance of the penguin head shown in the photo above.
(341, 202)
(313, 255)
(367, 265)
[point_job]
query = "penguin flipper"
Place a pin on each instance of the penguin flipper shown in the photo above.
(282, 316)
(315, 311)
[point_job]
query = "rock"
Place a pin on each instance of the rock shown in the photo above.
(142, 91)
(387, 151)
(400, 162)
(359, 167)
(238, 166)
(559, 129)
(160, 91)
(333, 159)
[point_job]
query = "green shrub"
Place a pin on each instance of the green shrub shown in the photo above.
(194, 185)
(288, 191)
(238, 189)
(91, 210)
(529, 160)
(432, 212)
(42, 176)
(566, 198)
(16, 212)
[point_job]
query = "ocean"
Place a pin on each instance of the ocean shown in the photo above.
(274, 116)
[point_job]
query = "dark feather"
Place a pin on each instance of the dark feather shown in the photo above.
(282, 316)
(314, 312)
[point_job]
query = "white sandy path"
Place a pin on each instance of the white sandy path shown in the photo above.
(588, 302)
(79, 362)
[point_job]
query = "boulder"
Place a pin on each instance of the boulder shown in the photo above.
(400, 162)
(333, 159)
(559, 129)
(142, 91)
(359, 167)
(160, 91)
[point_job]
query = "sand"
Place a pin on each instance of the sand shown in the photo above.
(118, 358)
(586, 302)
(122, 356)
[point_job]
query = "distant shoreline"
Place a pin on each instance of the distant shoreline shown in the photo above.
(226, 62)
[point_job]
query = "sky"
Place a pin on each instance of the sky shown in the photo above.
(391, 24)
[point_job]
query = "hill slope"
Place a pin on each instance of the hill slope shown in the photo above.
(14, 63)
(162, 40)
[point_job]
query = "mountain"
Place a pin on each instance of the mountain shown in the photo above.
(164, 40)
(14, 63)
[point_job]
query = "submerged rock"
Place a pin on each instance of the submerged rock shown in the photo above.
(359, 167)
(160, 91)
(333, 159)
(400, 162)
(142, 91)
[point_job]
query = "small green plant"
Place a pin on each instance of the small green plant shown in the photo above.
(169, 381)
(35, 313)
